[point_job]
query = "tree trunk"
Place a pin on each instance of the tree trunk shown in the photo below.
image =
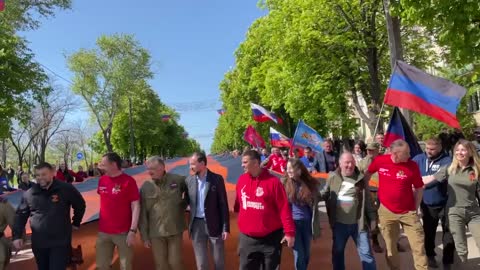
(132, 135)
(106, 138)
(4, 152)
(395, 45)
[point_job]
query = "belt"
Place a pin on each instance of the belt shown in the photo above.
(199, 217)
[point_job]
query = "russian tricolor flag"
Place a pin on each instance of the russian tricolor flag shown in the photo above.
(398, 128)
(2, 5)
(413, 89)
(166, 117)
(221, 111)
(277, 139)
(261, 114)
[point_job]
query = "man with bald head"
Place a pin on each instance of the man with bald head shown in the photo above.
(350, 212)
(399, 202)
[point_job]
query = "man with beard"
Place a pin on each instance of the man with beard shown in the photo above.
(48, 204)
(434, 201)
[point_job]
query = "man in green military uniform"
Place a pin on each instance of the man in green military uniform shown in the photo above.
(373, 150)
(162, 215)
(7, 217)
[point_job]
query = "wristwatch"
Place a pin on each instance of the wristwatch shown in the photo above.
(133, 230)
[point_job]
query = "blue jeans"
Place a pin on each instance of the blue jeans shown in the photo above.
(341, 233)
(303, 240)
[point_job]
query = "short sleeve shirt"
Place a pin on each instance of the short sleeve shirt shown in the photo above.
(395, 183)
(462, 186)
(116, 195)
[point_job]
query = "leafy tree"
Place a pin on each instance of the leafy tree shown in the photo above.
(314, 60)
(26, 14)
(104, 75)
(21, 79)
(454, 24)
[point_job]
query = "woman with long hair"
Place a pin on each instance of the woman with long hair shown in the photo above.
(463, 187)
(303, 196)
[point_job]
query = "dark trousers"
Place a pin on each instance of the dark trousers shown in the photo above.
(303, 240)
(431, 217)
(55, 258)
(260, 252)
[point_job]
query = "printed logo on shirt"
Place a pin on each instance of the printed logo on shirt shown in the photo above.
(384, 171)
(401, 175)
(259, 192)
(174, 185)
(102, 190)
(435, 167)
(344, 199)
(249, 204)
(55, 198)
(472, 177)
(116, 189)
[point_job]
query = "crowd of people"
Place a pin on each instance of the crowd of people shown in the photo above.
(413, 193)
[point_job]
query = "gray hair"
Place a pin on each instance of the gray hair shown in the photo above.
(157, 159)
(398, 143)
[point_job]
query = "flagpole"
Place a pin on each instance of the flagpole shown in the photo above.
(378, 120)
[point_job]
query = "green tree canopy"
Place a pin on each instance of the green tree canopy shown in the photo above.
(315, 60)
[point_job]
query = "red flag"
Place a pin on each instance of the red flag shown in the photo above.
(253, 137)
(2, 5)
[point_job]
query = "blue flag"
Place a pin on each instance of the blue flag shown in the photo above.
(307, 136)
(398, 128)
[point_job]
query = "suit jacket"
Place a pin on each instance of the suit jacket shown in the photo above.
(215, 204)
(321, 161)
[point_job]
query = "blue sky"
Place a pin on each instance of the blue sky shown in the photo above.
(192, 44)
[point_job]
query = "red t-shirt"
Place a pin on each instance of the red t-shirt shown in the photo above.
(276, 164)
(116, 196)
(395, 183)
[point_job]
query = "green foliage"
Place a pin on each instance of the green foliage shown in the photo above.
(21, 79)
(105, 75)
(455, 25)
(108, 79)
(312, 60)
(25, 14)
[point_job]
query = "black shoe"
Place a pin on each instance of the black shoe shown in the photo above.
(432, 262)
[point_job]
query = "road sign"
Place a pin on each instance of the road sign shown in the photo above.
(79, 155)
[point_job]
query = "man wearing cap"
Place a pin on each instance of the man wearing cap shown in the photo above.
(373, 150)
(380, 138)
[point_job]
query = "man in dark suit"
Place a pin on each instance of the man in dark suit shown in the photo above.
(209, 214)
(327, 160)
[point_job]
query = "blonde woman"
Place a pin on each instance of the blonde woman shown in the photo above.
(463, 186)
